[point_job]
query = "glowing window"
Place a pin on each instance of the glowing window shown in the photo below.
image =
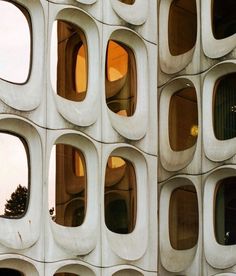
(120, 196)
(183, 119)
(15, 48)
(14, 176)
(224, 18)
(182, 26)
(67, 186)
(10, 272)
(71, 79)
(120, 79)
(225, 211)
(225, 107)
(183, 218)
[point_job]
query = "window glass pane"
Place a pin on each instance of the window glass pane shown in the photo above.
(225, 211)
(10, 272)
(13, 176)
(127, 272)
(129, 2)
(183, 119)
(120, 196)
(182, 26)
(15, 48)
(225, 107)
(183, 218)
(67, 186)
(120, 79)
(224, 18)
(69, 62)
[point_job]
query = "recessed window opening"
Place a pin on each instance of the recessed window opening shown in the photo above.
(121, 94)
(182, 26)
(120, 195)
(225, 107)
(127, 272)
(225, 211)
(65, 274)
(223, 18)
(128, 2)
(183, 218)
(15, 48)
(10, 272)
(14, 176)
(70, 79)
(183, 119)
(67, 186)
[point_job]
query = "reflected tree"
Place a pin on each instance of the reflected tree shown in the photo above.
(16, 205)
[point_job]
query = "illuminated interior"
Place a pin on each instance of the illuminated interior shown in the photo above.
(223, 18)
(182, 26)
(128, 2)
(72, 66)
(183, 119)
(225, 107)
(120, 196)
(183, 218)
(70, 186)
(120, 79)
(225, 211)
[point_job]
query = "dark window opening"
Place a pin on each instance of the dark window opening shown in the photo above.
(183, 218)
(225, 107)
(223, 18)
(10, 272)
(120, 196)
(182, 26)
(225, 211)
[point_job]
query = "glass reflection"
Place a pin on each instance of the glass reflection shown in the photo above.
(182, 26)
(14, 188)
(120, 195)
(225, 211)
(67, 186)
(120, 79)
(183, 119)
(183, 218)
(70, 79)
(15, 48)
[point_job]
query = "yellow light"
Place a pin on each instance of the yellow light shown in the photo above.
(194, 130)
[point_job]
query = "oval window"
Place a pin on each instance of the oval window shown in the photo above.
(69, 61)
(225, 107)
(15, 48)
(120, 195)
(14, 176)
(182, 26)
(67, 186)
(183, 218)
(121, 94)
(183, 119)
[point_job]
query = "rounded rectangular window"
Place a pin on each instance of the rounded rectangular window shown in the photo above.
(128, 2)
(225, 107)
(120, 196)
(223, 18)
(15, 46)
(67, 186)
(70, 76)
(225, 211)
(121, 94)
(183, 218)
(14, 176)
(183, 119)
(182, 26)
